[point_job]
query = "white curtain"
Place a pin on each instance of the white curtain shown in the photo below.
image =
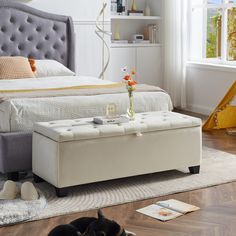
(175, 50)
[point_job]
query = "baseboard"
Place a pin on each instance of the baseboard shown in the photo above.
(199, 109)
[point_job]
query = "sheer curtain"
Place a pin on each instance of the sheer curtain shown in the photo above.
(175, 50)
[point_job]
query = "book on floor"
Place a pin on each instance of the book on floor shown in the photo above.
(168, 210)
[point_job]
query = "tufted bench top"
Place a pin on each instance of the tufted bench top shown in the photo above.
(82, 129)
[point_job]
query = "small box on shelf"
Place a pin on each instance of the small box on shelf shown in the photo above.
(135, 13)
(120, 41)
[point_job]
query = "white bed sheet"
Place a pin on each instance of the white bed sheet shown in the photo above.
(20, 114)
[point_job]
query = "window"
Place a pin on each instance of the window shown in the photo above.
(213, 31)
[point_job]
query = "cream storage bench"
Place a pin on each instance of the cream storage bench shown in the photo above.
(74, 152)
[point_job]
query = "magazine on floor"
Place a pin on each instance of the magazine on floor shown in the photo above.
(168, 210)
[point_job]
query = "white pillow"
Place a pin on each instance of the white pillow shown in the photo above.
(47, 68)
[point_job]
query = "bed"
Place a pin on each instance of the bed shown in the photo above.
(28, 32)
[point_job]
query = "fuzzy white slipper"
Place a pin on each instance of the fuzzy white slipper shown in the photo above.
(29, 192)
(9, 191)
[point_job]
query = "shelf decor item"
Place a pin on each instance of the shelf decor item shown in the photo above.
(130, 85)
(117, 32)
(147, 11)
(134, 6)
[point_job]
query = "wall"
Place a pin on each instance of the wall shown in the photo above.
(207, 86)
(78, 9)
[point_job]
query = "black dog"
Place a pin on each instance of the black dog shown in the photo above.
(90, 226)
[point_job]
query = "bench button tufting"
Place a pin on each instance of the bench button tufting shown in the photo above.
(139, 134)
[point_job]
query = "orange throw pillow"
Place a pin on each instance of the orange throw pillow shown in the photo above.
(32, 64)
(15, 68)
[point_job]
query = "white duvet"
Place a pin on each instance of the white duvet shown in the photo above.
(20, 114)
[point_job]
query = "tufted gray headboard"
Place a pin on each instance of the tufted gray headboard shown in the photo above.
(28, 32)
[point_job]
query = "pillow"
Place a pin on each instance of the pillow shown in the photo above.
(32, 64)
(47, 68)
(15, 68)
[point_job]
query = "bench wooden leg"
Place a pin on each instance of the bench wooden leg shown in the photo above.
(38, 179)
(194, 169)
(14, 176)
(61, 192)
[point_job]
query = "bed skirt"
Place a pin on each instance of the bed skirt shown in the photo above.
(15, 152)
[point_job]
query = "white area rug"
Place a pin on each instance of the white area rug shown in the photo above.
(18, 210)
(217, 168)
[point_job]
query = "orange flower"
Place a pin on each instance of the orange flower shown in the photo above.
(132, 82)
(133, 72)
(127, 77)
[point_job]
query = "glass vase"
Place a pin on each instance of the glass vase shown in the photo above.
(130, 110)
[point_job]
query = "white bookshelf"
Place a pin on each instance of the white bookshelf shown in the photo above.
(145, 58)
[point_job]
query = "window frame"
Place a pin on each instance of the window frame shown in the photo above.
(224, 6)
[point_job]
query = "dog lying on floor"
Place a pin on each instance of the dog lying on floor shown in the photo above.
(91, 226)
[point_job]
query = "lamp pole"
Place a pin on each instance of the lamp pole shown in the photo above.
(101, 33)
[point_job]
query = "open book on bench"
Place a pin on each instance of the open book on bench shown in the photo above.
(168, 210)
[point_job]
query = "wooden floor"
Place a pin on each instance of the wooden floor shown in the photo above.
(217, 215)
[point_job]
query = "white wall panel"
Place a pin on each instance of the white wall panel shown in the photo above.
(78, 9)
(89, 49)
(206, 87)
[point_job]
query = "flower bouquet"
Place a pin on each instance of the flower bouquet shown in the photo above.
(130, 85)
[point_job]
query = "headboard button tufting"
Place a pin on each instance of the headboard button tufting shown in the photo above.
(38, 47)
(4, 48)
(12, 20)
(55, 46)
(21, 47)
(3, 29)
(47, 55)
(25, 31)
(30, 38)
(55, 28)
(38, 29)
(12, 38)
(21, 29)
(29, 20)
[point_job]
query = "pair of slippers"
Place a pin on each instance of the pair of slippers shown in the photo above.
(91, 226)
(10, 191)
